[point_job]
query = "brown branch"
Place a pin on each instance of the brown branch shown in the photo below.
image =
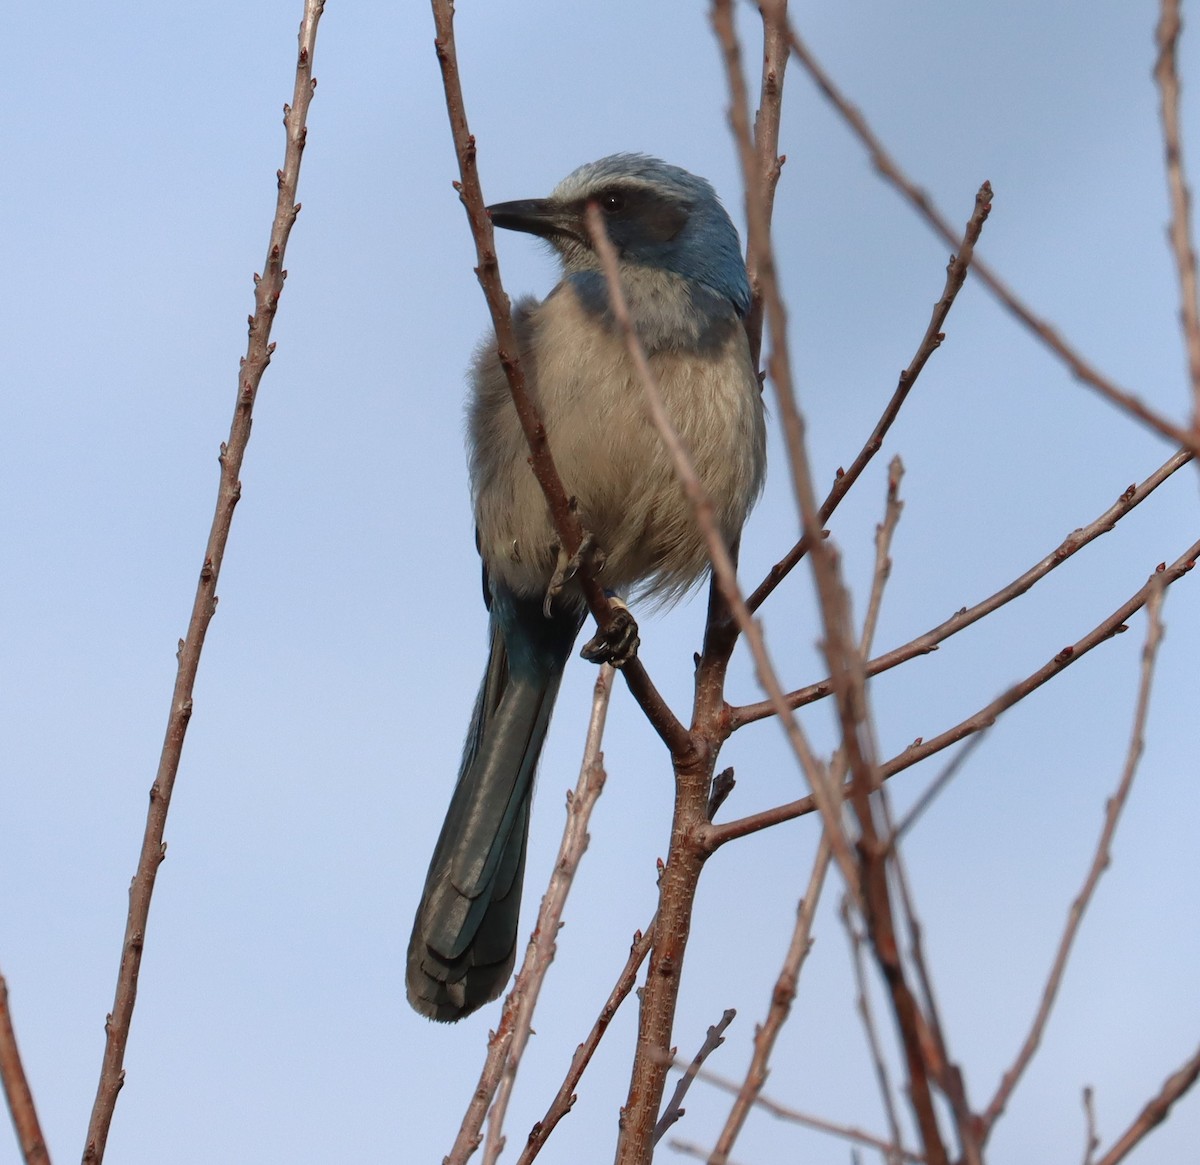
(786, 984)
(564, 516)
(921, 749)
(884, 533)
(920, 201)
(766, 147)
(543, 944)
(956, 274)
(691, 1149)
(782, 996)
(507, 1045)
(1180, 230)
(794, 1116)
(948, 773)
(686, 854)
(948, 1075)
(863, 1004)
(1091, 1140)
(565, 1097)
(963, 618)
(714, 1038)
(1100, 861)
(1155, 1111)
(17, 1091)
(845, 663)
(268, 288)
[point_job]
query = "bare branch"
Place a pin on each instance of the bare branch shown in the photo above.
(676, 891)
(1155, 1111)
(948, 773)
(17, 1091)
(565, 1097)
(766, 146)
(863, 1003)
(883, 561)
(268, 288)
(1180, 231)
(794, 1116)
(920, 201)
(566, 519)
(507, 1045)
(947, 1073)
(542, 943)
(786, 984)
(920, 749)
(956, 274)
(1100, 861)
(712, 1041)
(960, 620)
(781, 1005)
(845, 662)
(1091, 1141)
(691, 1149)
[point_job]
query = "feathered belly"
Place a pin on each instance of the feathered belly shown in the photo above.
(613, 462)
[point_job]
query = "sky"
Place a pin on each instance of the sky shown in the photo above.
(141, 143)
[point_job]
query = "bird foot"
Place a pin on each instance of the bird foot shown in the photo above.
(568, 566)
(617, 641)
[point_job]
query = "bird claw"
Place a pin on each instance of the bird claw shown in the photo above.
(568, 566)
(617, 641)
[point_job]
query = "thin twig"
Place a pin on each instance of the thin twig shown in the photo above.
(956, 274)
(1100, 860)
(517, 1014)
(766, 146)
(691, 1149)
(565, 517)
(674, 1109)
(960, 620)
(921, 748)
(1180, 230)
(786, 984)
(946, 1072)
(936, 786)
(921, 202)
(565, 1097)
(845, 662)
(863, 1000)
(884, 533)
(1155, 1111)
(820, 1124)
(268, 288)
(686, 856)
(781, 1005)
(17, 1091)
(1091, 1139)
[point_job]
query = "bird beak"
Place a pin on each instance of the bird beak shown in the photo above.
(534, 216)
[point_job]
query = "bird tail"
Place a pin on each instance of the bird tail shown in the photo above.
(464, 938)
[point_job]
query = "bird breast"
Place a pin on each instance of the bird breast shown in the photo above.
(609, 454)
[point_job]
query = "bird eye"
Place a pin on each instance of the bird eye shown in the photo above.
(612, 203)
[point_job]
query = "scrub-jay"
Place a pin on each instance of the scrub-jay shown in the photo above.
(685, 282)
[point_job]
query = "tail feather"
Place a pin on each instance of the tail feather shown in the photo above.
(464, 938)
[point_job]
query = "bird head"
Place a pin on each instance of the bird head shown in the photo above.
(657, 215)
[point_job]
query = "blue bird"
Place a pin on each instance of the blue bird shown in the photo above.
(685, 281)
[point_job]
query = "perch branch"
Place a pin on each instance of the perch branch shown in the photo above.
(565, 518)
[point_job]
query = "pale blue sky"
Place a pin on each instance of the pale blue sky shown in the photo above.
(141, 144)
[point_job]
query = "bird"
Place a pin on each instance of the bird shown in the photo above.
(685, 282)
